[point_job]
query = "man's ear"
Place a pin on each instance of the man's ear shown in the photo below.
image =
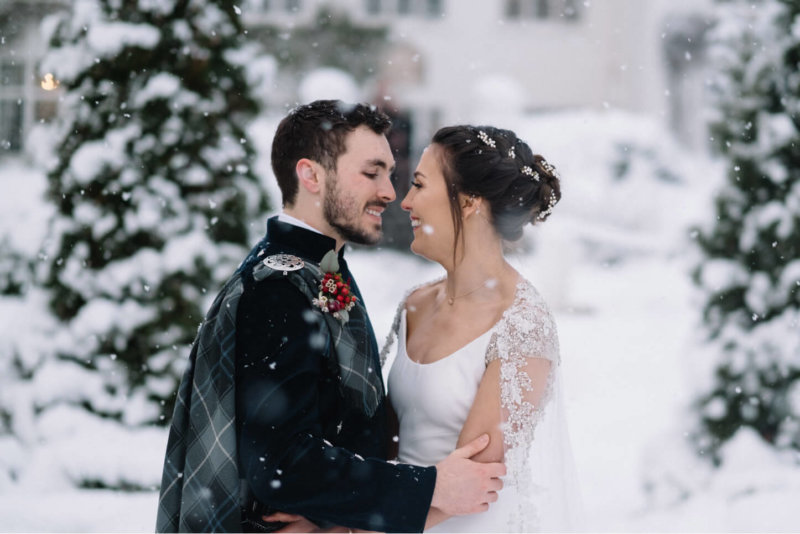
(309, 175)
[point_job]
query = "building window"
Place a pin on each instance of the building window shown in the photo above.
(542, 9)
(45, 110)
(435, 8)
(12, 78)
(11, 74)
(274, 6)
(513, 9)
(24, 100)
(257, 6)
(423, 8)
(568, 10)
(11, 125)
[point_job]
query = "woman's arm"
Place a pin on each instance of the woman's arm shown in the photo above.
(486, 415)
(483, 418)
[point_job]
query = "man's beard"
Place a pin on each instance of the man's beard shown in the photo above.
(343, 214)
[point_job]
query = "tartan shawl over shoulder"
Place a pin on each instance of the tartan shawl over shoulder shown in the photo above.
(200, 484)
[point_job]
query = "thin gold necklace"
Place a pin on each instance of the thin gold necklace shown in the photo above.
(450, 300)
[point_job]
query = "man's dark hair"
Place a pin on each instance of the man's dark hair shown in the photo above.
(317, 131)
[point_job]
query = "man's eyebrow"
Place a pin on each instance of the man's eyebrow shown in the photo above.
(380, 163)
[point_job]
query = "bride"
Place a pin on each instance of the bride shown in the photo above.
(478, 350)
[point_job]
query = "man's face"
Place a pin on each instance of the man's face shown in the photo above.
(358, 191)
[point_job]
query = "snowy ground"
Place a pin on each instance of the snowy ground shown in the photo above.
(624, 345)
(614, 266)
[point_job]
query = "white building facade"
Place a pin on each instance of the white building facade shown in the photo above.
(449, 59)
(446, 61)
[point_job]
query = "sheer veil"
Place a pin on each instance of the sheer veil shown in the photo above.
(548, 497)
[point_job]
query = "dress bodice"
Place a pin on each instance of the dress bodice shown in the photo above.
(432, 400)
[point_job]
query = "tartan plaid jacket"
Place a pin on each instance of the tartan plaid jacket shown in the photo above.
(263, 421)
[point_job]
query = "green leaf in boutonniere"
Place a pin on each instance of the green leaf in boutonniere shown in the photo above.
(330, 262)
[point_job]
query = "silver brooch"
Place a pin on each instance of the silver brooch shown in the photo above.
(486, 139)
(284, 263)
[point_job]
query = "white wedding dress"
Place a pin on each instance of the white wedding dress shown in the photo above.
(433, 400)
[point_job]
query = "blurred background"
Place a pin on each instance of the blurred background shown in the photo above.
(134, 176)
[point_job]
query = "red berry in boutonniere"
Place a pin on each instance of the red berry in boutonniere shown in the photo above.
(334, 293)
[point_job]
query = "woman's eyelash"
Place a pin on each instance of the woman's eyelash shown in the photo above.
(416, 184)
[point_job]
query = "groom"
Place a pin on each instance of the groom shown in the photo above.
(282, 407)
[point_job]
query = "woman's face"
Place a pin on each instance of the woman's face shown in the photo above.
(429, 208)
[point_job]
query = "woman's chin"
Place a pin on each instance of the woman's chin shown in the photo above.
(420, 249)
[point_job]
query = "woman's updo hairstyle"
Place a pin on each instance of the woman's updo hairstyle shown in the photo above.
(520, 187)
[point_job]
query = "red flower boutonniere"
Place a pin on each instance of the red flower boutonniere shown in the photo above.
(335, 296)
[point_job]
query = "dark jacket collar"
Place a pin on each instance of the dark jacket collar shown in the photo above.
(301, 242)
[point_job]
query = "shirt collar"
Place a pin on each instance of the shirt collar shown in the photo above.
(285, 217)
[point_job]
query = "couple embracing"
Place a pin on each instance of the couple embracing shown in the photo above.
(282, 421)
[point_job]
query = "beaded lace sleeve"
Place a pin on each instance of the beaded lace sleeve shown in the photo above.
(394, 331)
(525, 341)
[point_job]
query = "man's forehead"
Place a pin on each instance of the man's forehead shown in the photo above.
(369, 147)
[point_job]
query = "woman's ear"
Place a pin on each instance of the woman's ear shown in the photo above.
(308, 175)
(470, 204)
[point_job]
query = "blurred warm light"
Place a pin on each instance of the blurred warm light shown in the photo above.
(49, 83)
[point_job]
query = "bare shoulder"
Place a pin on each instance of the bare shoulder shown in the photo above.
(424, 296)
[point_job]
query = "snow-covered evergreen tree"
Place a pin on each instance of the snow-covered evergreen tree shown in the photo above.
(154, 191)
(750, 274)
(16, 269)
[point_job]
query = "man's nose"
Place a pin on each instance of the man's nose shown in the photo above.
(386, 189)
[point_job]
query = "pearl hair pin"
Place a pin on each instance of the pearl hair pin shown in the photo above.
(486, 139)
(530, 172)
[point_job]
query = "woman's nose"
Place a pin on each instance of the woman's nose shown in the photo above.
(406, 203)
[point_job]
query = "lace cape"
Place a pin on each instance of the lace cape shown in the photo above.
(537, 456)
